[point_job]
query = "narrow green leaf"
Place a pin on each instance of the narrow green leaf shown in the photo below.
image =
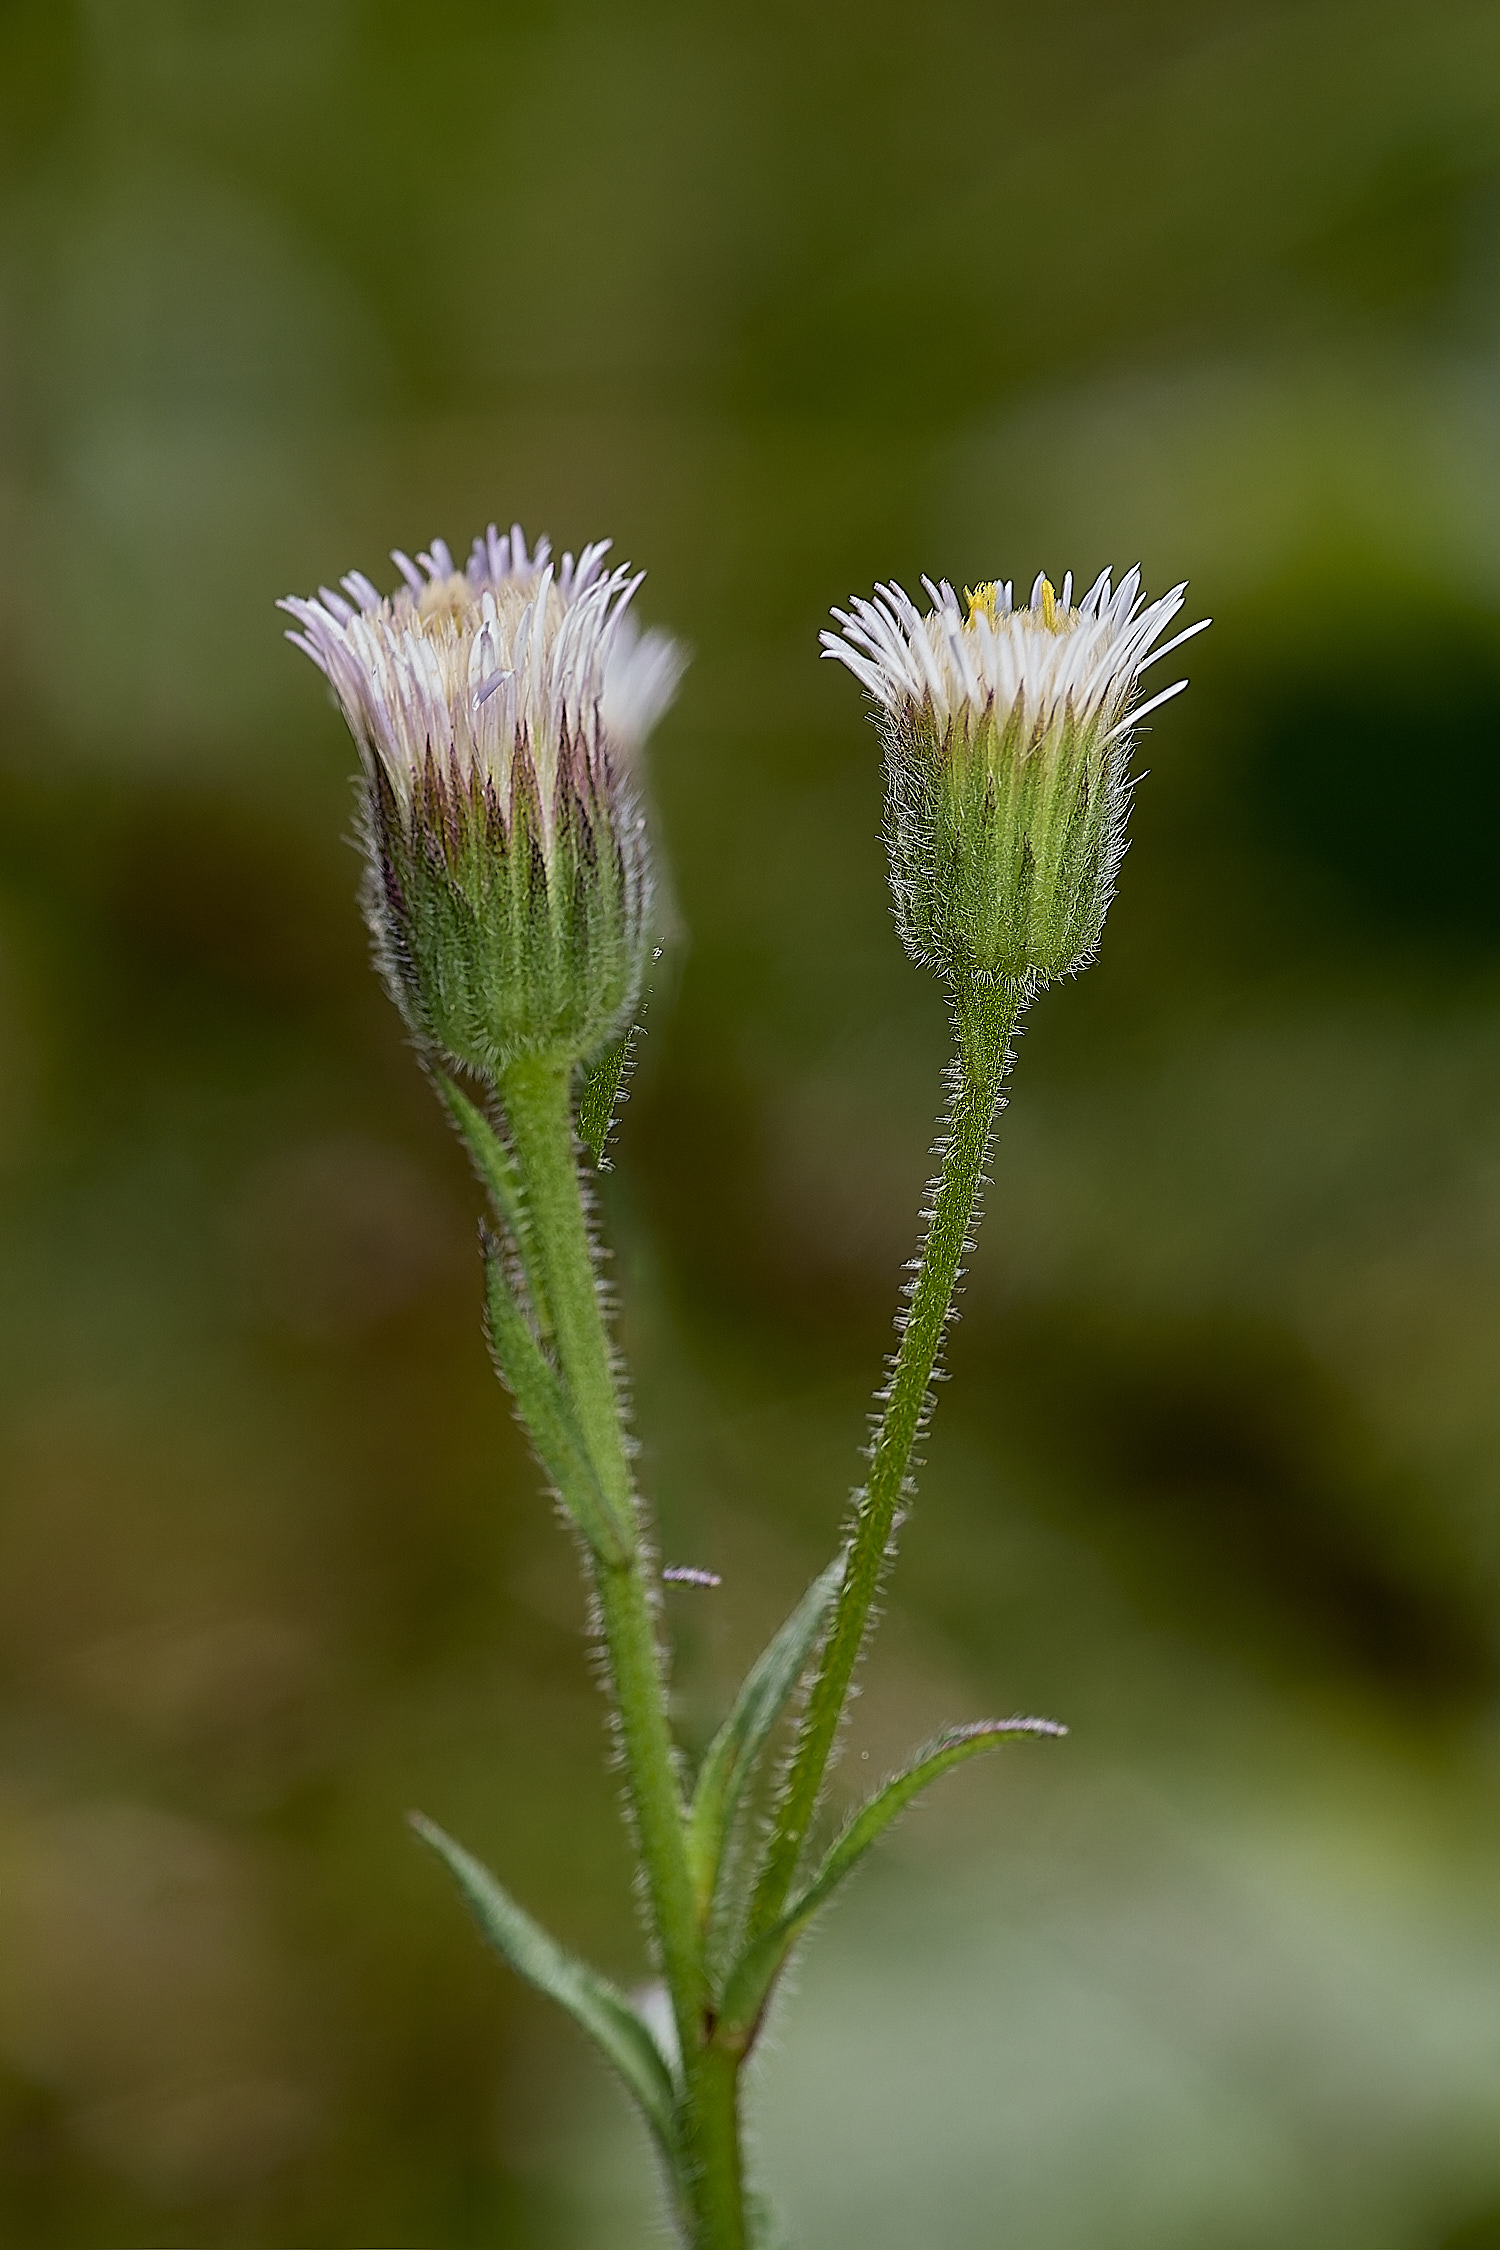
(755, 1972)
(496, 1168)
(602, 2009)
(546, 1411)
(601, 1091)
(492, 1159)
(731, 1757)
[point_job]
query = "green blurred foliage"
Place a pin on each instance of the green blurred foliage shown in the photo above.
(787, 299)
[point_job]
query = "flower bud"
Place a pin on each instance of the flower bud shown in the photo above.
(498, 712)
(1007, 736)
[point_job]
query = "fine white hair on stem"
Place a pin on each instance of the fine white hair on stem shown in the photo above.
(468, 666)
(961, 662)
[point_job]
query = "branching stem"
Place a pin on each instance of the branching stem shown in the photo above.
(536, 1099)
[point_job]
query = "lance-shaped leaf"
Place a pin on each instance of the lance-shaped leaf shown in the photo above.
(496, 1167)
(750, 1981)
(602, 2009)
(547, 1412)
(599, 1094)
(731, 1757)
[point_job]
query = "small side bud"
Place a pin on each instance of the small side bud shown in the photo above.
(1007, 736)
(498, 713)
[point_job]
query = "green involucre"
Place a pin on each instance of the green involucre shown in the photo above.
(1005, 840)
(502, 934)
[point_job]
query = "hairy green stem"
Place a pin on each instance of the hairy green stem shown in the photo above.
(984, 1018)
(536, 1099)
(715, 2183)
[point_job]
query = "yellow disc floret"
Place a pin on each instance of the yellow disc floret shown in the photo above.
(985, 601)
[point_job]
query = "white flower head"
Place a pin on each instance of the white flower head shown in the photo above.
(461, 670)
(1007, 735)
(498, 712)
(1047, 659)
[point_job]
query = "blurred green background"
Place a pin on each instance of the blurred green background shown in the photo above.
(786, 299)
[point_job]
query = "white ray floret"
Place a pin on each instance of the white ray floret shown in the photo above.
(1042, 662)
(469, 666)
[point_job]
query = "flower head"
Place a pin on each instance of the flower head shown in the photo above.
(1007, 734)
(499, 711)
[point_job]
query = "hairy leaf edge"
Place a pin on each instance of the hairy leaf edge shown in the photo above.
(750, 1982)
(599, 2006)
